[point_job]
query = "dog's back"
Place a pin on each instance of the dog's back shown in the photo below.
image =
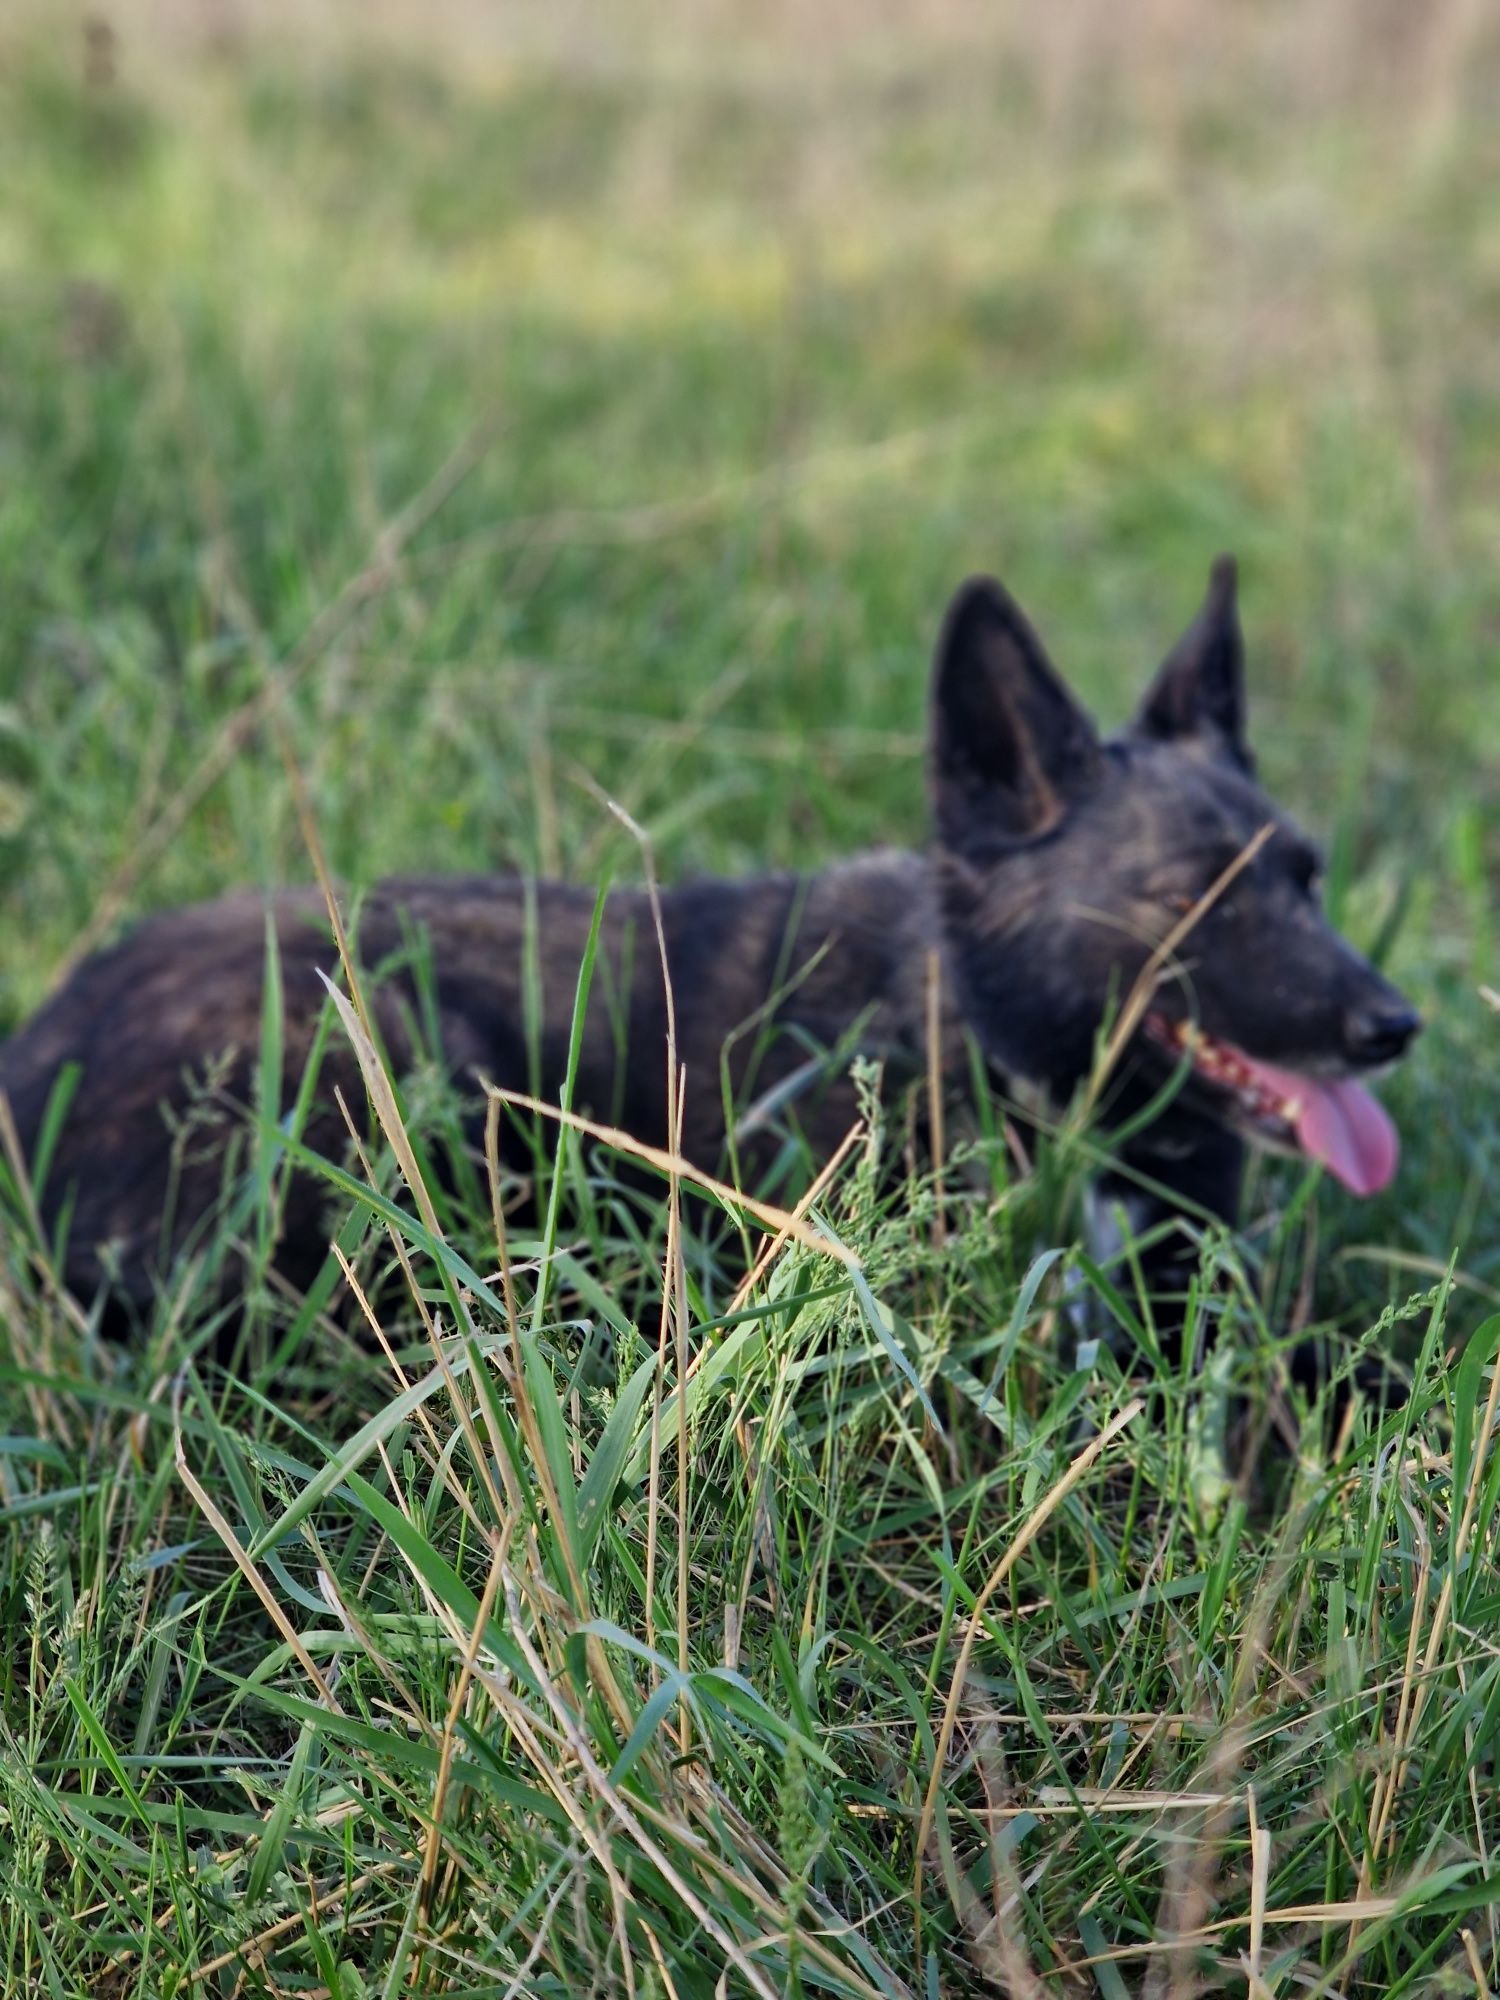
(166, 1028)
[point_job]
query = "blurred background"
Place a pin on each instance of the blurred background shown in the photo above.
(524, 398)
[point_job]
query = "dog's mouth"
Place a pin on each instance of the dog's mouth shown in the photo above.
(1334, 1120)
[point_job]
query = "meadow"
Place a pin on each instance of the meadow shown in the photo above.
(487, 424)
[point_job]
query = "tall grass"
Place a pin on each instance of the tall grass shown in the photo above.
(875, 1632)
(656, 1599)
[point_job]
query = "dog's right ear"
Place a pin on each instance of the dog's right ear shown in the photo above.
(1199, 690)
(1010, 749)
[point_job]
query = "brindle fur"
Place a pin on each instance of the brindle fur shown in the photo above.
(1059, 861)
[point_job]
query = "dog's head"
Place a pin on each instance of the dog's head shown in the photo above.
(1148, 877)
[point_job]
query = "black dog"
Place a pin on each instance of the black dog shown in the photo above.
(1061, 864)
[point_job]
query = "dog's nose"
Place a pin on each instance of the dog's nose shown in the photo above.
(1380, 1033)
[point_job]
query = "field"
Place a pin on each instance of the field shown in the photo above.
(486, 422)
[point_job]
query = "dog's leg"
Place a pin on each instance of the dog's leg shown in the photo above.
(1162, 1184)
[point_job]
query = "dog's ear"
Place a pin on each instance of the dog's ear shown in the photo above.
(1199, 689)
(1010, 749)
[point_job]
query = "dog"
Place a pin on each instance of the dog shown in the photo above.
(1067, 873)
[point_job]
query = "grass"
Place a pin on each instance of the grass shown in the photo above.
(512, 422)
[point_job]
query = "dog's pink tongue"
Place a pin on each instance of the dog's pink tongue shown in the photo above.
(1341, 1125)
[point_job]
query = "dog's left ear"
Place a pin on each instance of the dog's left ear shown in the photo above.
(1199, 688)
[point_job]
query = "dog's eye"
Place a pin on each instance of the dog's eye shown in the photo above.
(1181, 901)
